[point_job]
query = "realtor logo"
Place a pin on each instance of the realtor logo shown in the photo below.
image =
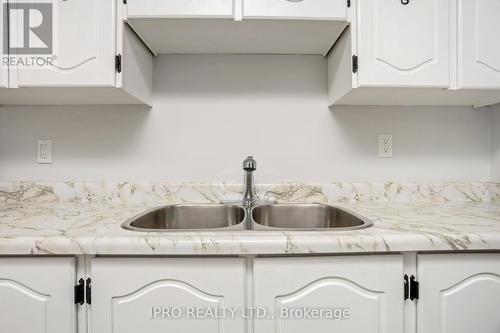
(33, 23)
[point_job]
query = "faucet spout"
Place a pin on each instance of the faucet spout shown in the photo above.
(249, 166)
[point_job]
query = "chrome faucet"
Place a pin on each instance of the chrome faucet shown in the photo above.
(249, 166)
(250, 199)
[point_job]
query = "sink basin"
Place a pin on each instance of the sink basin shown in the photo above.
(205, 217)
(306, 216)
(188, 217)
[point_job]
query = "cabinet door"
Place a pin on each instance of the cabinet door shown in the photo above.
(179, 8)
(36, 295)
(83, 44)
(158, 295)
(403, 45)
(459, 293)
(355, 293)
(479, 45)
(287, 9)
(3, 45)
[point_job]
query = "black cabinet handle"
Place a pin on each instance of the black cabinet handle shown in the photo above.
(405, 2)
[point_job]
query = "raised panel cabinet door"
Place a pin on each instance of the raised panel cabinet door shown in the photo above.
(459, 293)
(479, 44)
(158, 295)
(37, 295)
(348, 294)
(403, 45)
(4, 69)
(74, 42)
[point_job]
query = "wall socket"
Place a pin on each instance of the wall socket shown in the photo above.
(385, 145)
(44, 151)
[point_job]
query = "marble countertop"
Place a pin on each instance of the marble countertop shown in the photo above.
(28, 228)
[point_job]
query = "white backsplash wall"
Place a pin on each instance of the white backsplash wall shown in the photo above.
(495, 144)
(210, 111)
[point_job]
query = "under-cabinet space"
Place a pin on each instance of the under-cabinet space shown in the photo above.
(275, 26)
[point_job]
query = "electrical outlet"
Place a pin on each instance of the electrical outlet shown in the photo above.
(385, 145)
(44, 151)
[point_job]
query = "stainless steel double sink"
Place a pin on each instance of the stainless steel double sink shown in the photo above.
(211, 217)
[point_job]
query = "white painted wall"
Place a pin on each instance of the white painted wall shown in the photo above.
(210, 111)
(495, 144)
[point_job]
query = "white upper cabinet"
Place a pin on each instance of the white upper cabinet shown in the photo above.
(479, 44)
(364, 294)
(4, 70)
(403, 45)
(180, 8)
(458, 293)
(157, 295)
(417, 52)
(83, 45)
(295, 9)
(84, 54)
(36, 295)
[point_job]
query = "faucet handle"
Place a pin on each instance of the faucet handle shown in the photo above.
(249, 164)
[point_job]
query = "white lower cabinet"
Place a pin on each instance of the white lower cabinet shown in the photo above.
(455, 293)
(158, 295)
(3, 78)
(4, 70)
(349, 294)
(36, 295)
(459, 293)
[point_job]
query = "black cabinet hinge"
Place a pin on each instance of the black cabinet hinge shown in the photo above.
(88, 291)
(118, 63)
(406, 287)
(354, 63)
(83, 291)
(414, 288)
(348, 3)
(79, 292)
(411, 288)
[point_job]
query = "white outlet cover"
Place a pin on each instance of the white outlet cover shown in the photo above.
(44, 152)
(385, 145)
